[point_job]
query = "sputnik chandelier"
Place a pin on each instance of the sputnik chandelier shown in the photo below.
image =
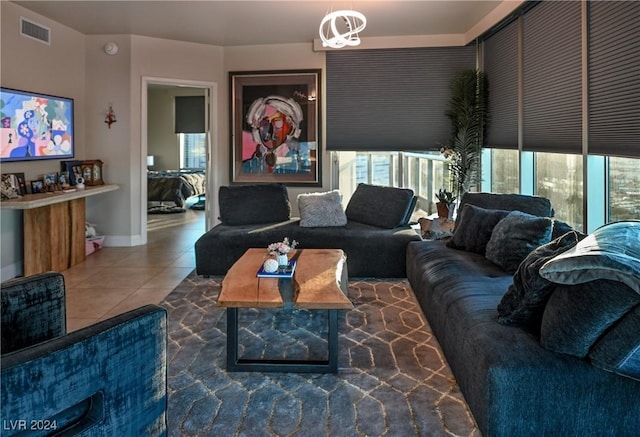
(332, 36)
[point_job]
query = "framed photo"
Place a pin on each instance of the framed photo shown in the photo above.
(92, 172)
(13, 185)
(50, 182)
(37, 186)
(64, 179)
(275, 127)
(74, 168)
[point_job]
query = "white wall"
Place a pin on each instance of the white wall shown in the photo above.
(118, 80)
(76, 66)
(57, 69)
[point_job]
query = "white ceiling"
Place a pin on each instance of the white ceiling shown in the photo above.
(231, 23)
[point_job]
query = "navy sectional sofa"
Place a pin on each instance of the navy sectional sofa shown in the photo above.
(373, 233)
(513, 385)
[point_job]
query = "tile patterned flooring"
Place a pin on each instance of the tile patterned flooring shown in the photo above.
(114, 280)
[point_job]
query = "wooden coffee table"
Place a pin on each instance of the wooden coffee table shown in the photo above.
(319, 283)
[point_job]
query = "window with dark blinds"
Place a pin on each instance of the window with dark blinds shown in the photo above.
(189, 115)
(614, 78)
(552, 82)
(391, 100)
(501, 53)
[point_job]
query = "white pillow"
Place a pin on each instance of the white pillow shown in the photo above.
(321, 209)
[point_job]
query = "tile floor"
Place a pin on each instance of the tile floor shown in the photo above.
(117, 279)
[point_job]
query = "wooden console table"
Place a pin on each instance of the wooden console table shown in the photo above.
(54, 234)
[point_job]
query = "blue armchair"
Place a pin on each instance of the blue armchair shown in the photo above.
(106, 379)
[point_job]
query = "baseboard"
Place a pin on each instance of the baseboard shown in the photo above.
(123, 241)
(11, 271)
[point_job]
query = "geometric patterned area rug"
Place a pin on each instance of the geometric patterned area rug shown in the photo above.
(392, 378)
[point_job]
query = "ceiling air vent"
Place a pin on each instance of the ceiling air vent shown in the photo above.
(35, 31)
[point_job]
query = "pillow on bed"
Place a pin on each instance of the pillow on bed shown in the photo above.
(253, 204)
(321, 210)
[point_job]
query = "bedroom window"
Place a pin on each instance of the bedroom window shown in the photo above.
(193, 151)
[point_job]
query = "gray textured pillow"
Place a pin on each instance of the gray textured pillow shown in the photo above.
(321, 210)
(253, 204)
(618, 350)
(515, 237)
(576, 316)
(385, 207)
(474, 227)
(610, 252)
(523, 303)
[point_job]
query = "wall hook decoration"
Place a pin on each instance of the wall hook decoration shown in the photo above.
(111, 117)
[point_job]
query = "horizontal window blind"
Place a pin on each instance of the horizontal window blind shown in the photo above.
(501, 66)
(391, 100)
(189, 115)
(552, 82)
(614, 78)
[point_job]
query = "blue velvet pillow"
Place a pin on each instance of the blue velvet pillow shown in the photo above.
(576, 316)
(618, 350)
(610, 252)
(523, 303)
(515, 237)
(384, 207)
(474, 227)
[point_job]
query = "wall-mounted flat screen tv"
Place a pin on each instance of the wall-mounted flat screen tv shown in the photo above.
(35, 126)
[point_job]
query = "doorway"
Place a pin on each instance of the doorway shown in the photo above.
(162, 151)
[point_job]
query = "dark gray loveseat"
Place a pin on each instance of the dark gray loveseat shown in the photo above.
(513, 385)
(374, 237)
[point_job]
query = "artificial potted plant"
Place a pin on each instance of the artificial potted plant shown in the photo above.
(468, 114)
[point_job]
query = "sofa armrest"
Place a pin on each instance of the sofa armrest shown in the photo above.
(106, 379)
(32, 310)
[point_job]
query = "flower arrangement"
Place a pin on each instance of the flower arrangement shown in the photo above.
(282, 247)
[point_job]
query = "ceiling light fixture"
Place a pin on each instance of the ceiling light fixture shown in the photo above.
(332, 37)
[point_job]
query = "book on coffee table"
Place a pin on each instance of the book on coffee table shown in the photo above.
(287, 272)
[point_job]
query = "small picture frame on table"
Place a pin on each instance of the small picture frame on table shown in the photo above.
(92, 172)
(51, 182)
(63, 179)
(37, 186)
(74, 167)
(13, 185)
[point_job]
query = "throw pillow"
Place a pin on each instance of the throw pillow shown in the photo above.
(384, 207)
(576, 316)
(618, 350)
(515, 237)
(253, 204)
(610, 252)
(321, 209)
(534, 205)
(523, 303)
(474, 227)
